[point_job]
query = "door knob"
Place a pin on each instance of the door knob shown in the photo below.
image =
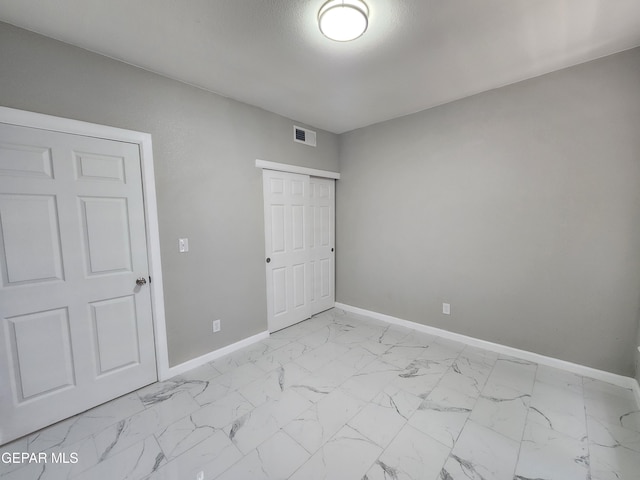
(268, 260)
(141, 281)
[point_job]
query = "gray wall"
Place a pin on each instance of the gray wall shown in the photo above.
(208, 188)
(638, 353)
(519, 206)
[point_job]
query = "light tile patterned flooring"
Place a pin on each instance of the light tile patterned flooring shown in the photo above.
(347, 397)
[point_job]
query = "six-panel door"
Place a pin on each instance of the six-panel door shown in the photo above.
(322, 257)
(299, 239)
(76, 329)
(287, 231)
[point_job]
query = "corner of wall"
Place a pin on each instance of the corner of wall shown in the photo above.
(638, 357)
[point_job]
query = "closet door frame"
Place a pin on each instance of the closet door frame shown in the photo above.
(306, 259)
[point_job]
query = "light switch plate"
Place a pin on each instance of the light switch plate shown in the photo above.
(183, 245)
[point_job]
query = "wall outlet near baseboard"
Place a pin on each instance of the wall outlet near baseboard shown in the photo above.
(216, 326)
(446, 309)
(200, 475)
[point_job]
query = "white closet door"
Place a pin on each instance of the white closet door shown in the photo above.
(76, 329)
(287, 233)
(321, 244)
(299, 215)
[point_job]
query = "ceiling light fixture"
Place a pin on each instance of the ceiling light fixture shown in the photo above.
(343, 20)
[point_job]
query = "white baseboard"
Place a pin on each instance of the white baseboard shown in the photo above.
(209, 357)
(619, 380)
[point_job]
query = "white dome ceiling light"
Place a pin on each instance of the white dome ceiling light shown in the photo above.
(343, 20)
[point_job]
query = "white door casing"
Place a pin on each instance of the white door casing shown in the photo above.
(76, 329)
(299, 242)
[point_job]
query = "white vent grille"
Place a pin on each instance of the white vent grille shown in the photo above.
(304, 135)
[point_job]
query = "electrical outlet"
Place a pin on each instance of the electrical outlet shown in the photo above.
(216, 326)
(446, 309)
(183, 245)
(200, 475)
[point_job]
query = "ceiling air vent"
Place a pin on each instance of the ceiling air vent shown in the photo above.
(304, 135)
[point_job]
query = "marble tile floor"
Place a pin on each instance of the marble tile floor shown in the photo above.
(342, 396)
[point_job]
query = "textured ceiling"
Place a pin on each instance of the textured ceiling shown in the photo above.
(416, 53)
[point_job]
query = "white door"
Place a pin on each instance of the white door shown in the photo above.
(299, 239)
(321, 244)
(76, 328)
(287, 232)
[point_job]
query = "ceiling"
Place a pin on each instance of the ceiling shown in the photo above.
(270, 53)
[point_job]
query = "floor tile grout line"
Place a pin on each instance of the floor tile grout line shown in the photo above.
(377, 357)
(586, 426)
(200, 407)
(222, 429)
(365, 404)
(471, 410)
(342, 426)
(466, 421)
(281, 429)
(301, 446)
(526, 420)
